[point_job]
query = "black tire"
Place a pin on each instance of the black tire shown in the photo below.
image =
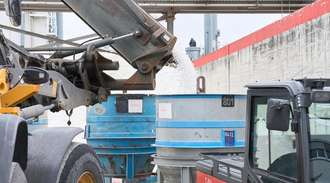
(80, 159)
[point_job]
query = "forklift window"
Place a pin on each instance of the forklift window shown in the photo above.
(274, 152)
(319, 119)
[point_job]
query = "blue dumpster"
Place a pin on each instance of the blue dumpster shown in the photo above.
(122, 131)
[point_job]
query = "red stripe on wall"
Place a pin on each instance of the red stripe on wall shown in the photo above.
(308, 13)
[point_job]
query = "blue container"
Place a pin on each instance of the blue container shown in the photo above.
(188, 125)
(200, 121)
(122, 131)
(37, 123)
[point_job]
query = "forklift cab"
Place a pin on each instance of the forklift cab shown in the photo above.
(288, 132)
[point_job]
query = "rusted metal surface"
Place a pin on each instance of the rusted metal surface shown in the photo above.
(136, 82)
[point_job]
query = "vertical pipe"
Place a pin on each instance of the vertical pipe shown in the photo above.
(170, 26)
(206, 34)
(59, 23)
(24, 14)
(170, 17)
(185, 174)
(211, 33)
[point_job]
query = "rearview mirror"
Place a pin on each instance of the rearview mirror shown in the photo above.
(278, 114)
(34, 75)
(13, 11)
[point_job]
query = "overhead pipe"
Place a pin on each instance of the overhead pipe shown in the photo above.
(153, 6)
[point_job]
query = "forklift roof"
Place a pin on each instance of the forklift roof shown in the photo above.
(294, 86)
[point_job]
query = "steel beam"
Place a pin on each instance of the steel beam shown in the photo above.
(187, 6)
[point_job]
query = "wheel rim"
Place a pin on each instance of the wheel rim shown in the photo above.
(86, 177)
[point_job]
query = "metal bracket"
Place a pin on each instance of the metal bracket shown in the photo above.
(18, 94)
(303, 100)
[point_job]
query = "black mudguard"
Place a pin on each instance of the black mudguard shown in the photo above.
(47, 148)
(13, 144)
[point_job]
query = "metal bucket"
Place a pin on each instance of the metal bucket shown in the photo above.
(114, 18)
(188, 125)
(122, 131)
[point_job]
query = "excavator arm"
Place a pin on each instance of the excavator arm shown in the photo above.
(31, 83)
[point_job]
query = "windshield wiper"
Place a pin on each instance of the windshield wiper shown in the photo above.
(323, 117)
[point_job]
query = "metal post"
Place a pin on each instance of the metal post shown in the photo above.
(170, 17)
(23, 24)
(185, 174)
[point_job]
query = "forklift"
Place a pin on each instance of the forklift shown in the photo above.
(287, 137)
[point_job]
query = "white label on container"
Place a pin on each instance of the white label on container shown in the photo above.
(135, 106)
(165, 110)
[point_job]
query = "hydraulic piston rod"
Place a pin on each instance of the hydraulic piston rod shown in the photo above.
(62, 52)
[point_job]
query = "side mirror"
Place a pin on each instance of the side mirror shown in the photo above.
(34, 75)
(278, 114)
(13, 11)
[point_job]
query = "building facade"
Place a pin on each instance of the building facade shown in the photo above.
(296, 46)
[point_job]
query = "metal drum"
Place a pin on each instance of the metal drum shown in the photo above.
(122, 131)
(188, 125)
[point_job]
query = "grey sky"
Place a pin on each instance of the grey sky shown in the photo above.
(231, 26)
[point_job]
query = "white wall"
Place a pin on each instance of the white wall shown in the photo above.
(300, 52)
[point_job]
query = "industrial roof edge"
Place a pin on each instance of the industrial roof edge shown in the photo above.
(301, 16)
